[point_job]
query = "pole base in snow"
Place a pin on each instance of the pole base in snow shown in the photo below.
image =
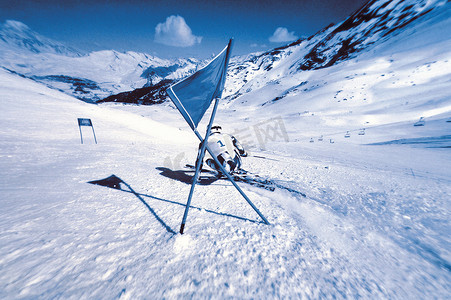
(182, 227)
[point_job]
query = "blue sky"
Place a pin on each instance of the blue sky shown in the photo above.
(170, 28)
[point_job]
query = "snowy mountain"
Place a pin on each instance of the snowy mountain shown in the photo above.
(91, 220)
(357, 195)
(373, 24)
(18, 37)
(391, 75)
(89, 77)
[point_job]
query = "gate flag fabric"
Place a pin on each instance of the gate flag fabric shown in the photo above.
(194, 94)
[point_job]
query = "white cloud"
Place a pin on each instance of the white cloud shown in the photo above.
(282, 35)
(175, 32)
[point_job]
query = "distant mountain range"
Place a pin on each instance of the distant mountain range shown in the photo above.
(376, 22)
(99, 76)
(18, 37)
(90, 77)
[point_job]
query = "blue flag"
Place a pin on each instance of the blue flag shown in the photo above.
(194, 94)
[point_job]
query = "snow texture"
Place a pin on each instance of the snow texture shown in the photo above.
(89, 77)
(100, 221)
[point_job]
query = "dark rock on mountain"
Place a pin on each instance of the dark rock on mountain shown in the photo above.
(154, 94)
(80, 88)
(79, 84)
(375, 22)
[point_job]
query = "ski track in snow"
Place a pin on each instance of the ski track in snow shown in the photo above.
(364, 230)
(101, 221)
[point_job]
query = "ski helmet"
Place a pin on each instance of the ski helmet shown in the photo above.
(216, 128)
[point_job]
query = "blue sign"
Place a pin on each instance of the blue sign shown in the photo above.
(86, 122)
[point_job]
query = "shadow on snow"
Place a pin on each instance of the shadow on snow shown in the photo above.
(115, 182)
(181, 176)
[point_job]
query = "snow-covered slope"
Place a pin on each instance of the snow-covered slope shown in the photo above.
(90, 220)
(395, 81)
(90, 77)
(18, 37)
(374, 23)
(99, 220)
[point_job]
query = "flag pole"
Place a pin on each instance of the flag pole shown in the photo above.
(201, 154)
(214, 156)
(216, 94)
(200, 159)
(233, 181)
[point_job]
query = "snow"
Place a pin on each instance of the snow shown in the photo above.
(112, 71)
(28, 53)
(18, 37)
(101, 221)
(372, 224)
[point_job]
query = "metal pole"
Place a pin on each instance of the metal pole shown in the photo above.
(233, 181)
(204, 147)
(93, 133)
(200, 159)
(81, 135)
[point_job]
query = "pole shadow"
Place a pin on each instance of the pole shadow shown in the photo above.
(115, 182)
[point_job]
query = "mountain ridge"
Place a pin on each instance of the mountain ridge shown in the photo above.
(20, 37)
(372, 24)
(28, 53)
(118, 72)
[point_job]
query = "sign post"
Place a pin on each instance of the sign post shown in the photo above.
(86, 122)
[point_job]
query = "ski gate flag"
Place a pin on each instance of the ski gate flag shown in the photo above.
(194, 94)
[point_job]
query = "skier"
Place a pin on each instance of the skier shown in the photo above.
(226, 148)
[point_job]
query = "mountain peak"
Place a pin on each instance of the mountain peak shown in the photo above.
(14, 25)
(16, 36)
